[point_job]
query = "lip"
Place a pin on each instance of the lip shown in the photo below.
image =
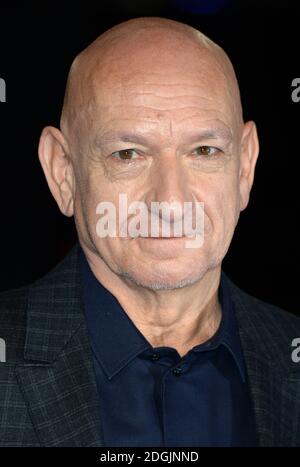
(165, 238)
(163, 247)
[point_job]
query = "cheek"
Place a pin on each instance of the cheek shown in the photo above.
(88, 195)
(92, 189)
(221, 208)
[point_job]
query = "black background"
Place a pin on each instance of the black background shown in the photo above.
(38, 42)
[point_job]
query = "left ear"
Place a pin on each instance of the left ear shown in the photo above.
(248, 158)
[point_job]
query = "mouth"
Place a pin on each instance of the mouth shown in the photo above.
(165, 238)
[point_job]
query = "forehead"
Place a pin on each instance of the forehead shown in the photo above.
(155, 99)
(142, 84)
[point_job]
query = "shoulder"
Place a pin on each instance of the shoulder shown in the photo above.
(13, 304)
(58, 284)
(268, 313)
(267, 329)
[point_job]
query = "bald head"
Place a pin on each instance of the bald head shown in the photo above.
(139, 49)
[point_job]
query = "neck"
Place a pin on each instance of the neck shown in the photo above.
(179, 318)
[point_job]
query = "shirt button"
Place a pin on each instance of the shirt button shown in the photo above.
(177, 371)
(154, 357)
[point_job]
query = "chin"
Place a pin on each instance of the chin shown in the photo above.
(163, 278)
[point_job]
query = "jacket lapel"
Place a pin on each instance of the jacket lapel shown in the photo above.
(57, 377)
(273, 378)
(263, 383)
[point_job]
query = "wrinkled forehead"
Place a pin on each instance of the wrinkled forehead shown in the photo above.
(165, 85)
(152, 75)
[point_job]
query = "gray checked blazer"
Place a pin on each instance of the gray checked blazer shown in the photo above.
(48, 394)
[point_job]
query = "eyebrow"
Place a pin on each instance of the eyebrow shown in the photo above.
(206, 133)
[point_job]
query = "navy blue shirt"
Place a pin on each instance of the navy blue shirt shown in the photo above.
(151, 396)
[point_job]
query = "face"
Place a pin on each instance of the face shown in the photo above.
(159, 129)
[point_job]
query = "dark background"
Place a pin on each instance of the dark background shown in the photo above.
(38, 42)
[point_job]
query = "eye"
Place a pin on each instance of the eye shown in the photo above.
(124, 154)
(206, 151)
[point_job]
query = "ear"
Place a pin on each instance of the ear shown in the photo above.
(58, 168)
(248, 157)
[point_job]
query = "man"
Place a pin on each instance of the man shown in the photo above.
(141, 339)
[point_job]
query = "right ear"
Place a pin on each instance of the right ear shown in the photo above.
(58, 168)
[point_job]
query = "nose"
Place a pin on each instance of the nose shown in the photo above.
(170, 185)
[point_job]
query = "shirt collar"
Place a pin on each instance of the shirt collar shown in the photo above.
(115, 339)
